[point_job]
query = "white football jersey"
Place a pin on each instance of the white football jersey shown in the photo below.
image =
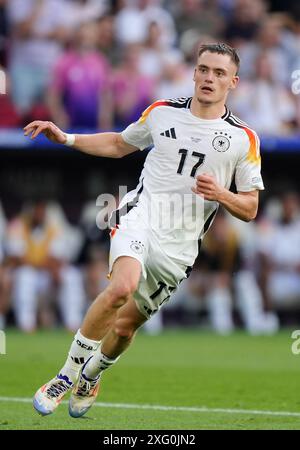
(185, 146)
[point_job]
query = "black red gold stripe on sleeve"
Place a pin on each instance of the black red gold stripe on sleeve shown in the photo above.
(253, 155)
(253, 152)
(147, 111)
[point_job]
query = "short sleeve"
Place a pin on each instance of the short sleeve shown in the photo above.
(248, 170)
(139, 133)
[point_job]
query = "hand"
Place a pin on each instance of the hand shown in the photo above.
(51, 131)
(207, 187)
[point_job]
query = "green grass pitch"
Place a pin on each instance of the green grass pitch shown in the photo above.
(258, 375)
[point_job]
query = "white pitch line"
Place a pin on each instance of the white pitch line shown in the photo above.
(202, 409)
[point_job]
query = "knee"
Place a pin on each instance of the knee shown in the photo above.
(124, 329)
(118, 294)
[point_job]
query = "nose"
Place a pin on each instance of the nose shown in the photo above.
(209, 77)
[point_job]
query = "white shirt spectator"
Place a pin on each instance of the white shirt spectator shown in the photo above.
(36, 50)
(79, 13)
(132, 24)
(264, 106)
(176, 77)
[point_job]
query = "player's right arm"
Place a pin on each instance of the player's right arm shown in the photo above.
(110, 145)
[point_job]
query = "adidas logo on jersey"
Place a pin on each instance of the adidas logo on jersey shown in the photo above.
(169, 133)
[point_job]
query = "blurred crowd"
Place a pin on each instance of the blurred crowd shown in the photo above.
(99, 63)
(247, 274)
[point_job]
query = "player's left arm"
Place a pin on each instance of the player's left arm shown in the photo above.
(242, 205)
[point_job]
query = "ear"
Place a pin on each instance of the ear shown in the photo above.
(234, 82)
(194, 76)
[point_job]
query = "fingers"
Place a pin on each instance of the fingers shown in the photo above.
(35, 125)
(35, 128)
(38, 130)
(32, 126)
(39, 126)
(204, 186)
(205, 177)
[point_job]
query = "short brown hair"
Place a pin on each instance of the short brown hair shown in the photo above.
(222, 49)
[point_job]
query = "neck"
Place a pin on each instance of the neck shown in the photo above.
(207, 111)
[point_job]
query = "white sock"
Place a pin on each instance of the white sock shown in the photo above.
(97, 364)
(81, 350)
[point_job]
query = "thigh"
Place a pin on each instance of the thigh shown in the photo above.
(130, 244)
(125, 270)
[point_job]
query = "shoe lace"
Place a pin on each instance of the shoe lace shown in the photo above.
(58, 388)
(85, 387)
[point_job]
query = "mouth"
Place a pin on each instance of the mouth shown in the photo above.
(207, 89)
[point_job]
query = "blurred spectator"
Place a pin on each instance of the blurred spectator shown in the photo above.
(132, 22)
(79, 12)
(3, 32)
(8, 114)
(152, 53)
(93, 257)
(154, 11)
(132, 91)
(96, 235)
(176, 80)
(224, 280)
(79, 94)
(220, 258)
(107, 42)
(226, 7)
(248, 295)
(37, 248)
(95, 271)
(201, 15)
(285, 6)
(279, 247)
(263, 102)
(272, 38)
(190, 42)
(5, 286)
(210, 286)
(243, 26)
(4, 278)
(37, 33)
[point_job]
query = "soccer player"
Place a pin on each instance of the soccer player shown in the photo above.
(199, 146)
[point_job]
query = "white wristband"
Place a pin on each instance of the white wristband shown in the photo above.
(70, 139)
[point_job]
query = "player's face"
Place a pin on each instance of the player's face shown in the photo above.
(214, 76)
